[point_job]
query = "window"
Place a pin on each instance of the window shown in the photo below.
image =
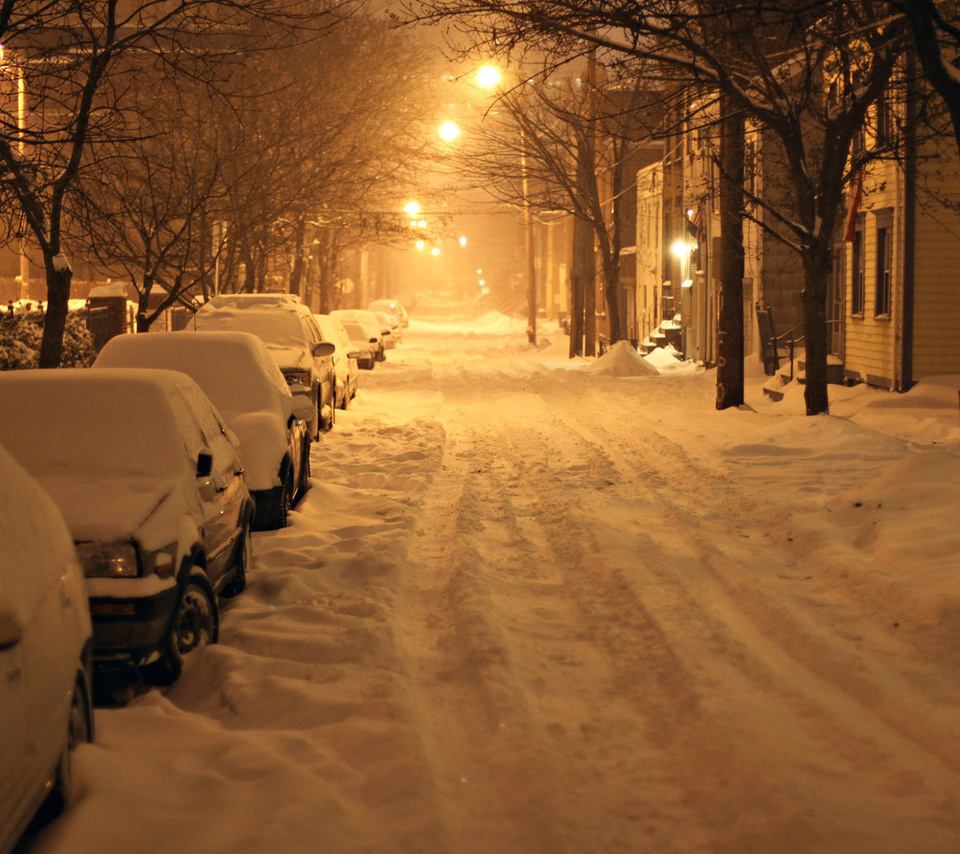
(884, 270)
(858, 271)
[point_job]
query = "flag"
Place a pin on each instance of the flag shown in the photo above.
(854, 210)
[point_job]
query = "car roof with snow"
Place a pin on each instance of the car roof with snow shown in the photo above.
(252, 300)
(278, 326)
(235, 369)
(367, 319)
(112, 421)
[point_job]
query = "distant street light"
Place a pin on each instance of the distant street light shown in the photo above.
(411, 208)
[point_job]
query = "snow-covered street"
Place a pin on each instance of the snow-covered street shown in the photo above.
(529, 608)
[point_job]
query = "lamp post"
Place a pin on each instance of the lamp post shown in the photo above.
(489, 77)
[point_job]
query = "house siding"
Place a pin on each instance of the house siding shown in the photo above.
(936, 339)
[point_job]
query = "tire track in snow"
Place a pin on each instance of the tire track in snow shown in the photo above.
(776, 655)
(545, 733)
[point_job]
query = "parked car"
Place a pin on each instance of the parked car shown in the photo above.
(149, 480)
(391, 306)
(372, 330)
(390, 327)
(45, 653)
(362, 346)
(238, 374)
(294, 340)
(344, 359)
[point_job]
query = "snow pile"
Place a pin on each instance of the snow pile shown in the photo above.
(489, 323)
(111, 289)
(621, 360)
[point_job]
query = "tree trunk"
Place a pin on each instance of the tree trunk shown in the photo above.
(59, 276)
(730, 319)
(296, 274)
(579, 277)
(327, 250)
(817, 261)
(249, 285)
(611, 293)
(612, 243)
(590, 303)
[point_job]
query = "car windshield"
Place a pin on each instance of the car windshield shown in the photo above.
(355, 331)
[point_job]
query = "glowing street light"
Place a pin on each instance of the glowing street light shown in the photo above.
(680, 248)
(411, 208)
(449, 131)
(488, 76)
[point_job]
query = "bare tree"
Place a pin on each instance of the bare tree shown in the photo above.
(935, 33)
(76, 62)
(806, 72)
(143, 214)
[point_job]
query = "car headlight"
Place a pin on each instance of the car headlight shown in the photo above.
(125, 559)
(109, 560)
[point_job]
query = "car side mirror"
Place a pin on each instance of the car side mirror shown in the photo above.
(11, 632)
(374, 340)
(301, 407)
(324, 348)
(204, 464)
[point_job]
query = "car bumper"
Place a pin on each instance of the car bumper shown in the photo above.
(131, 631)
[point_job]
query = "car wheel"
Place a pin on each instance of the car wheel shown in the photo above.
(241, 563)
(79, 730)
(195, 624)
(283, 499)
(331, 419)
(305, 470)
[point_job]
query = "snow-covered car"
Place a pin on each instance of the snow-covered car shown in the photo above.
(362, 347)
(390, 327)
(293, 338)
(372, 331)
(149, 480)
(45, 653)
(238, 374)
(391, 306)
(344, 358)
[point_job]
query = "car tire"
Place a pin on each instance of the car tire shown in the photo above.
(326, 425)
(305, 470)
(196, 623)
(282, 499)
(79, 731)
(241, 562)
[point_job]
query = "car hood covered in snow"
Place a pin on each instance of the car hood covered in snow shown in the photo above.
(123, 508)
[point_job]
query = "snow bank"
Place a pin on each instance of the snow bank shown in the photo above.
(621, 360)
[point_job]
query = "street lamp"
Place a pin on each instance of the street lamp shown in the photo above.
(449, 131)
(489, 77)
